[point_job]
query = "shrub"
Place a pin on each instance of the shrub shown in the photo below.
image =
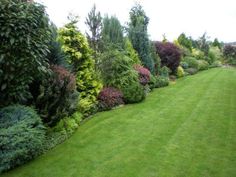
(184, 64)
(153, 81)
(117, 71)
(110, 97)
(79, 55)
(69, 124)
(24, 36)
(58, 97)
(216, 64)
(191, 61)
(198, 54)
(169, 54)
(165, 71)
(162, 81)
(21, 136)
(144, 74)
(191, 71)
(202, 65)
(180, 71)
(230, 54)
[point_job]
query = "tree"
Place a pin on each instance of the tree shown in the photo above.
(137, 33)
(112, 32)
(185, 41)
(94, 23)
(79, 56)
(216, 43)
(203, 44)
(24, 36)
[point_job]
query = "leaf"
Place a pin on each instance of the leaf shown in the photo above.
(12, 41)
(3, 86)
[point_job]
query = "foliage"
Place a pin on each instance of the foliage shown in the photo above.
(169, 54)
(162, 81)
(130, 52)
(191, 71)
(21, 136)
(144, 74)
(185, 41)
(165, 71)
(202, 65)
(94, 23)
(230, 54)
(203, 44)
(191, 61)
(24, 36)
(69, 124)
(217, 44)
(180, 72)
(214, 54)
(156, 59)
(110, 97)
(112, 32)
(153, 82)
(184, 64)
(58, 97)
(137, 33)
(216, 64)
(117, 71)
(79, 56)
(198, 54)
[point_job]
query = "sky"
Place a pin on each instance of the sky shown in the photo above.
(170, 17)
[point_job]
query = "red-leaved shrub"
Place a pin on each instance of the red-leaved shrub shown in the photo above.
(169, 53)
(110, 97)
(144, 74)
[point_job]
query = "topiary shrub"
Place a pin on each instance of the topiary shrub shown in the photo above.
(117, 71)
(180, 72)
(24, 36)
(191, 71)
(162, 81)
(191, 61)
(144, 74)
(202, 65)
(58, 97)
(169, 54)
(110, 97)
(21, 136)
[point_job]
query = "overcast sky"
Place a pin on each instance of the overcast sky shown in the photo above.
(169, 17)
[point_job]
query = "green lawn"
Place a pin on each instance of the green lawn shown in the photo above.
(185, 130)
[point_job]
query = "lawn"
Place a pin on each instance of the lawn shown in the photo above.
(185, 130)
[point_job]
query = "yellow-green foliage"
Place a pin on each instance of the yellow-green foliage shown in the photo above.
(180, 71)
(131, 52)
(198, 54)
(79, 56)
